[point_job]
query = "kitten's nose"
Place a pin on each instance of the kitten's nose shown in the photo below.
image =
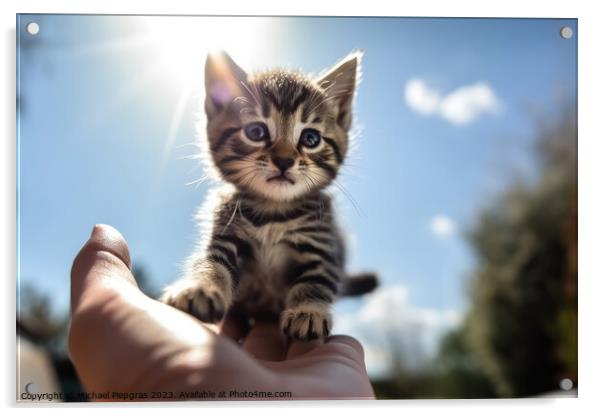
(283, 163)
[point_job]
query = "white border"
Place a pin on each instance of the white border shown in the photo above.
(590, 205)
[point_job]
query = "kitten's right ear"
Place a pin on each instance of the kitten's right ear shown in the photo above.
(223, 81)
(339, 84)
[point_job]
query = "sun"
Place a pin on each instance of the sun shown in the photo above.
(179, 45)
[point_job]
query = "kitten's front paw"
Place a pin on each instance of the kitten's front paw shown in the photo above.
(305, 323)
(203, 303)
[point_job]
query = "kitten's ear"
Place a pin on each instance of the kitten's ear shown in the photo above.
(339, 82)
(223, 81)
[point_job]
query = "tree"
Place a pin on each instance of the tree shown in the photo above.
(37, 319)
(522, 324)
(458, 374)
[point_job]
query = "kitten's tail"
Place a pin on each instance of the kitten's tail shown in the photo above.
(358, 284)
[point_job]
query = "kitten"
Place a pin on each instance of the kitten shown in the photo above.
(272, 247)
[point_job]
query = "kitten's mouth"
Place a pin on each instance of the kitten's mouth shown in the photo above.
(281, 178)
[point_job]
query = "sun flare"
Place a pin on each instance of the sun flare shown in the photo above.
(176, 48)
(180, 44)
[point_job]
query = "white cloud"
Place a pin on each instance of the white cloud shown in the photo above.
(461, 106)
(421, 98)
(465, 104)
(443, 226)
(390, 327)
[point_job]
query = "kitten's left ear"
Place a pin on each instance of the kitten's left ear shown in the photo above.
(224, 81)
(339, 82)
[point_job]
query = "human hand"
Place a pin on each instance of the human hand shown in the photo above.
(122, 341)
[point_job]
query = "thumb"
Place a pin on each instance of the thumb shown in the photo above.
(104, 257)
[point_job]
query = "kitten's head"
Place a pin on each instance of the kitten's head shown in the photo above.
(278, 134)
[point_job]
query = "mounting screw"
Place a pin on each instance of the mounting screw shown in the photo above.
(33, 28)
(566, 32)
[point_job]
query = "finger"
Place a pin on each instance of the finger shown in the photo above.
(266, 342)
(299, 348)
(353, 345)
(235, 326)
(105, 255)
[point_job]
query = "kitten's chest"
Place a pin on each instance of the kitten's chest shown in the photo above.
(271, 253)
(263, 284)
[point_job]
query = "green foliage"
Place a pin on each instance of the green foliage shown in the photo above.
(36, 317)
(455, 374)
(405, 385)
(459, 375)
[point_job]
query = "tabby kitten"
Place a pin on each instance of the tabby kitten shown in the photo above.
(272, 247)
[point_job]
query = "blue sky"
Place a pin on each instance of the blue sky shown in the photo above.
(110, 107)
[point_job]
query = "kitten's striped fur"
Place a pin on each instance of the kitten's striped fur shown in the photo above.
(271, 247)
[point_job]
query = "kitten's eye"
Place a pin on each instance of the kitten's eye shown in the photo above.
(310, 138)
(257, 131)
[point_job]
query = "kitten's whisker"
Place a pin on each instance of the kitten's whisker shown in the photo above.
(195, 144)
(326, 99)
(330, 97)
(232, 217)
(190, 157)
(243, 99)
(257, 100)
(344, 191)
(348, 195)
(198, 182)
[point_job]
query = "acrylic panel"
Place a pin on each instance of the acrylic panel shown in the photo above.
(447, 147)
